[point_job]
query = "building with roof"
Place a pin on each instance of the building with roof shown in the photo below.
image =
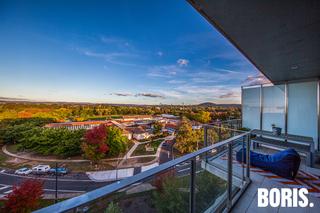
(139, 133)
(78, 125)
(127, 118)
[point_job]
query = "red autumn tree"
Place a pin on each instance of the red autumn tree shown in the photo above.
(94, 146)
(24, 198)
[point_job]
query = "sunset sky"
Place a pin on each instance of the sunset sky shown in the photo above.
(142, 52)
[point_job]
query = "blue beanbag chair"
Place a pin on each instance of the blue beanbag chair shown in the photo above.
(284, 163)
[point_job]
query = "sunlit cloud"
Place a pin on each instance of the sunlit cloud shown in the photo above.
(255, 80)
(150, 95)
(199, 93)
(142, 94)
(230, 94)
(121, 94)
(216, 75)
(182, 62)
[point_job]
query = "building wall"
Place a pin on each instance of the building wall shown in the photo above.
(302, 108)
(251, 108)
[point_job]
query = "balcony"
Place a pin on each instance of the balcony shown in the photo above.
(191, 183)
(281, 39)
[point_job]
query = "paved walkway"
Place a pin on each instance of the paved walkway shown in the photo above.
(4, 150)
(111, 175)
(128, 155)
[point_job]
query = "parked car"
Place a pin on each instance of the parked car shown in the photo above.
(23, 171)
(60, 171)
(41, 169)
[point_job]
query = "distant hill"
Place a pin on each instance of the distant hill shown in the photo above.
(210, 104)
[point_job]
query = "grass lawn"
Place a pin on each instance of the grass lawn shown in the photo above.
(3, 159)
(13, 148)
(141, 150)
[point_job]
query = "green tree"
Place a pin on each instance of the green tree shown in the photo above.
(212, 136)
(157, 126)
(116, 141)
(46, 141)
(187, 139)
(203, 117)
(174, 195)
(113, 208)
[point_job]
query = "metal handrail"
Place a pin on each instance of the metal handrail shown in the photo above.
(214, 125)
(114, 187)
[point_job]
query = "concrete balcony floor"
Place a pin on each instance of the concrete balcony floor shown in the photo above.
(262, 179)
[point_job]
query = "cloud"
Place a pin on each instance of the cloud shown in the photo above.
(119, 58)
(14, 99)
(255, 80)
(182, 62)
(121, 94)
(176, 82)
(216, 75)
(150, 95)
(171, 93)
(230, 94)
(164, 71)
(142, 94)
(159, 53)
(191, 94)
(114, 41)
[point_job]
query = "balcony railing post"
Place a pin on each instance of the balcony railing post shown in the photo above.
(248, 155)
(205, 139)
(205, 130)
(242, 157)
(219, 131)
(192, 186)
(229, 184)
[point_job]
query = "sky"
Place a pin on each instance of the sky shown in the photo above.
(130, 52)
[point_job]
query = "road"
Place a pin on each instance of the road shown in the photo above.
(8, 180)
(165, 153)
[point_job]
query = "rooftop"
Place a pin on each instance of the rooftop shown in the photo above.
(81, 123)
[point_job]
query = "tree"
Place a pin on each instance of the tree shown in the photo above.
(187, 140)
(113, 208)
(116, 141)
(203, 117)
(46, 141)
(24, 198)
(174, 195)
(212, 136)
(157, 126)
(95, 146)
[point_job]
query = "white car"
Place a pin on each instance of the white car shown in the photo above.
(40, 169)
(23, 171)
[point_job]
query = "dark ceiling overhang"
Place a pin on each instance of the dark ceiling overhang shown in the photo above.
(280, 37)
